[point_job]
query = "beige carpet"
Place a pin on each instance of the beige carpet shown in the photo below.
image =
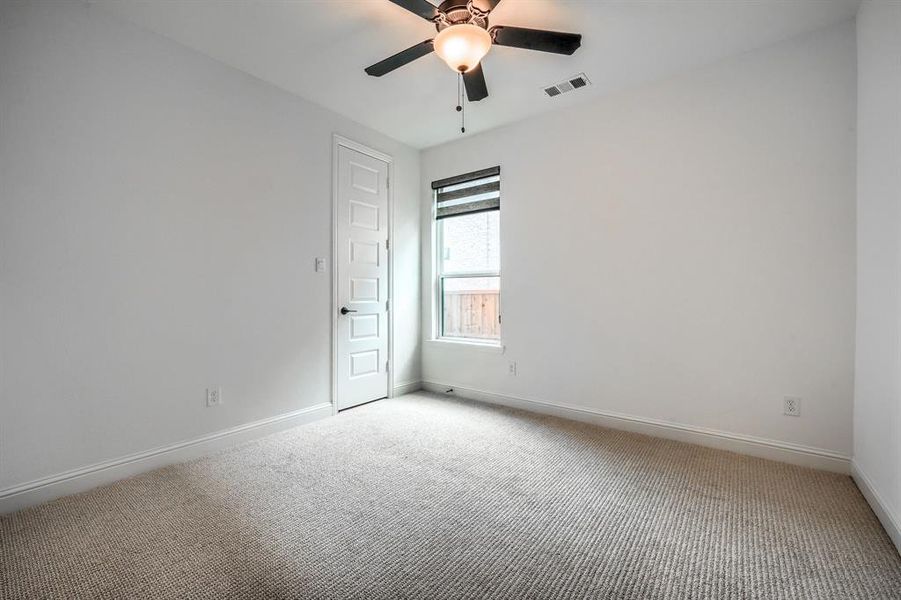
(425, 497)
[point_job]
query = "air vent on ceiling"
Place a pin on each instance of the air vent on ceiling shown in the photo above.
(573, 83)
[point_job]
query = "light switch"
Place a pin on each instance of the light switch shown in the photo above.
(320, 265)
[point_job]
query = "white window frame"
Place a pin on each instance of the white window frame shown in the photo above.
(438, 295)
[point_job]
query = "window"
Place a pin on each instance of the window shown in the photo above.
(467, 214)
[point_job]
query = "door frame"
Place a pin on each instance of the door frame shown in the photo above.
(339, 141)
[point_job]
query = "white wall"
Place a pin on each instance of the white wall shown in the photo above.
(877, 397)
(680, 252)
(159, 221)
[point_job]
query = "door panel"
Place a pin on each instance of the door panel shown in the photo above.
(362, 272)
(364, 327)
(364, 289)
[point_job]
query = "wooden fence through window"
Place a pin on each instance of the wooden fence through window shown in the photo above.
(472, 314)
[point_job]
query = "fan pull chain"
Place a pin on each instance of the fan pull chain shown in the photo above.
(461, 103)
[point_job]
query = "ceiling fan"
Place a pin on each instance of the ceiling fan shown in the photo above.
(464, 38)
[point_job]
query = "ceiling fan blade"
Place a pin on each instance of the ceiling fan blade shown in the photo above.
(536, 39)
(474, 81)
(400, 59)
(420, 7)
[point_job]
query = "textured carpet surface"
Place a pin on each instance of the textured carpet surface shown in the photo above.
(425, 497)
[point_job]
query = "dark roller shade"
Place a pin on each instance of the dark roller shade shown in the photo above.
(471, 193)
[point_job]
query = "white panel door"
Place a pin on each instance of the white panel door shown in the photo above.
(362, 272)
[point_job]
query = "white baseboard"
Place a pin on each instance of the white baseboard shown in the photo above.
(91, 476)
(407, 387)
(879, 506)
(795, 454)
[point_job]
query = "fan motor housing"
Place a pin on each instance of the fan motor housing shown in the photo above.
(457, 12)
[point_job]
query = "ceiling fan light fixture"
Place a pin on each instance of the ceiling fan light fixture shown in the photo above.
(462, 46)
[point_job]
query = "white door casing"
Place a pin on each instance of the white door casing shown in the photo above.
(361, 271)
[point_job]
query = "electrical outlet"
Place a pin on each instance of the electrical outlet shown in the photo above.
(214, 396)
(791, 406)
(511, 369)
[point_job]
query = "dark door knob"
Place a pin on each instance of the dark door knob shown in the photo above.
(345, 310)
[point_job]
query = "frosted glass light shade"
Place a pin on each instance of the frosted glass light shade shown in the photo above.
(462, 46)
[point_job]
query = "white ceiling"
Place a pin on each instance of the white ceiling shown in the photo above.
(317, 49)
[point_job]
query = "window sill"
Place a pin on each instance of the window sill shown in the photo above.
(466, 345)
